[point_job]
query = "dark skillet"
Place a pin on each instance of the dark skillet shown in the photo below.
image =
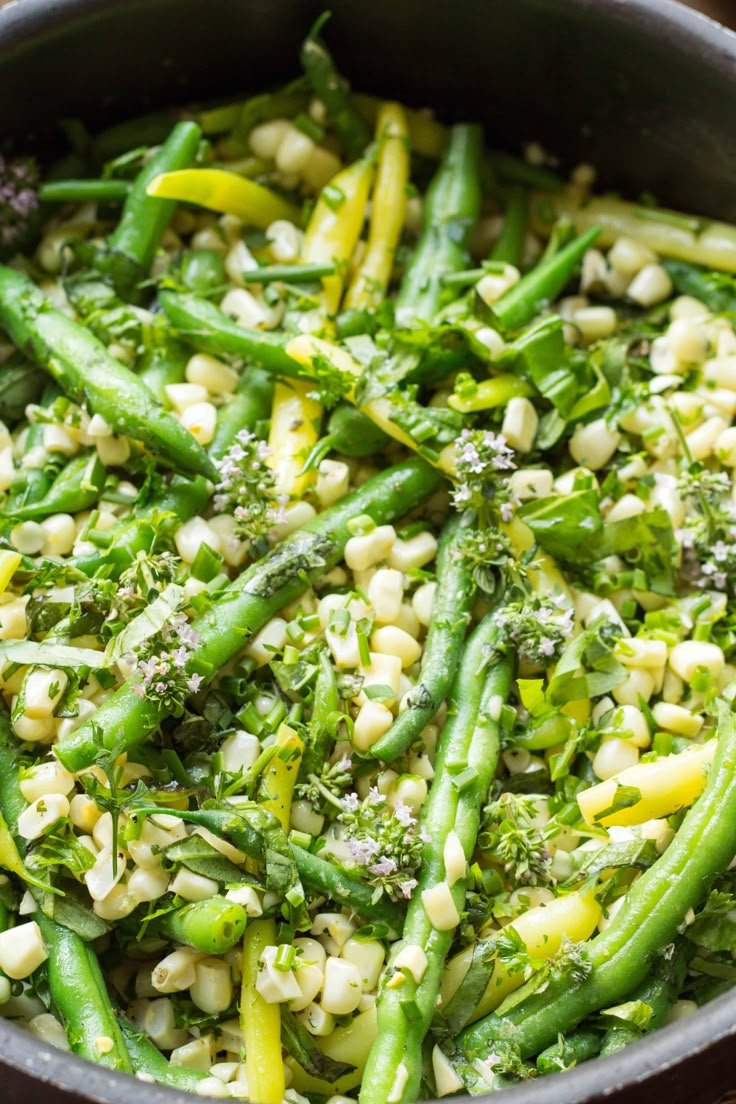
(643, 89)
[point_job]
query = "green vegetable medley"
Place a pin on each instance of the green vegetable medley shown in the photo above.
(367, 604)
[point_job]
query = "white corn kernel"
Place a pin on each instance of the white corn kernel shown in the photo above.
(266, 643)
(333, 481)
(7, 468)
(721, 371)
(212, 990)
(631, 724)
(642, 652)
(685, 306)
(60, 533)
(385, 594)
(368, 958)
(675, 718)
(295, 515)
(334, 929)
(27, 538)
(43, 692)
(639, 684)
(248, 898)
(118, 903)
(628, 256)
(33, 731)
(320, 169)
(148, 883)
(200, 419)
(689, 655)
(594, 444)
(194, 1055)
(41, 815)
(440, 907)
(650, 286)
(101, 878)
(234, 551)
(113, 451)
(239, 261)
(681, 1010)
(239, 751)
(285, 241)
(413, 959)
(701, 441)
(520, 424)
(595, 323)
(157, 1020)
(415, 552)
(495, 284)
(213, 374)
(453, 857)
(22, 950)
(48, 1029)
(372, 722)
(410, 790)
(384, 670)
(248, 311)
(46, 778)
(176, 972)
(304, 818)
(57, 439)
(191, 535)
(294, 152)
(317, 1021)
(725, 447)
(183, 395)
(627, 506)
(265, 139)
(275, 986)
(342, 987)
(193, 887)
(687, 341)
(446, 1079)
(531, 483)
(83, 812)
(423, 602)
(390, 640)
(362, 552)
(613, 756)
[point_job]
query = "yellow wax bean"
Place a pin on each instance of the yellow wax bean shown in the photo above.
(426, 135)
(490, 393)
(220, 190)
(335, 226)
(9, 564)
(388, 209)
(295, 425)
(667, 785)
(712, 244)
(541, 930)
(261, 1021)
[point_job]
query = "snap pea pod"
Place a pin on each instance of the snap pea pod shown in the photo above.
(103, 312)
(209, 329)
(712, 288)
(329, 880)
(21, 383)
(653, 910)
(86, 372)
(78, 486)
(450, 617)
(578, 1047)
(349, 432)
(334, 92)
(659, 991)
(163, 362)
(84, 191)
(450, 209)
(80, 995)
(212, 926)
(147, 1060)
(509, 246)
(132, 245)
(467, 756)
(543, 284)
(183, 498)
(247, 603)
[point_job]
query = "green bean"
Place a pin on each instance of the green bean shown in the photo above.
(247, 603)
(660, 991)
(450, 617)
(329, 880)
(570, 1051)
(79, 993)
(718, 293)
(467, 756)
(513, 170)
(543, 284)
(212, 926)
(77, 487)
(203, 271)
(209, 329)
(241, 117)
(290, 274)
(450, 209)
(334, 92)
(86, 372)
(84, 191)
(21, 383)
(146, 130)
(509, 247)
(132, 245)
(652, 912)
(148, 1060)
